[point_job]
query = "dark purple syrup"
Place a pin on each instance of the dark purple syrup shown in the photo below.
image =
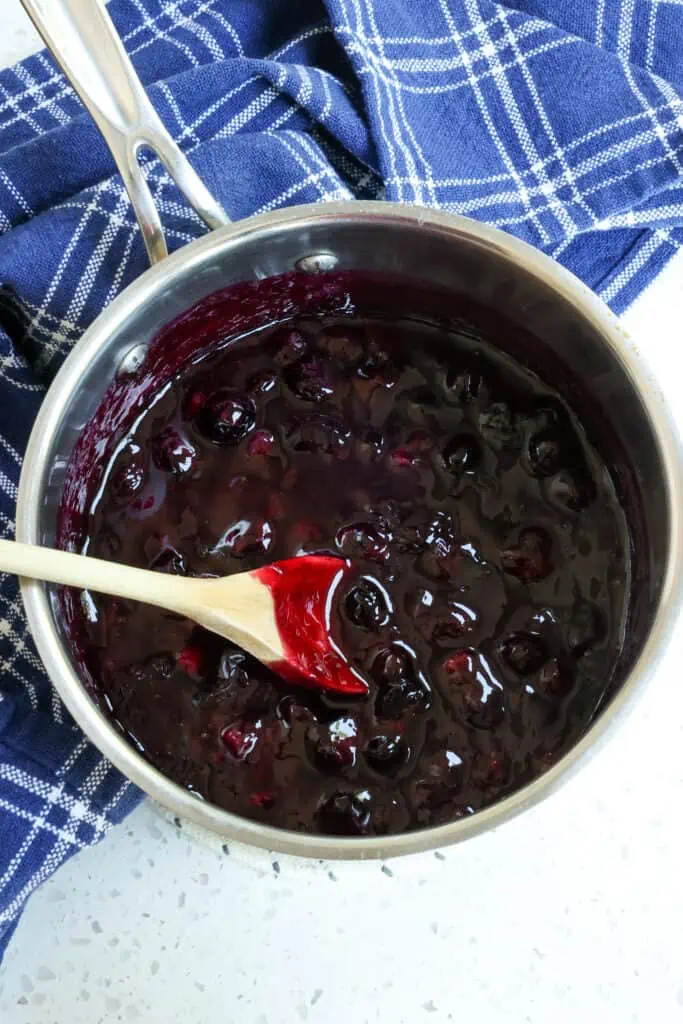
(491, 557)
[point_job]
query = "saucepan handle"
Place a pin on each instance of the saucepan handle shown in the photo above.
(82, 38)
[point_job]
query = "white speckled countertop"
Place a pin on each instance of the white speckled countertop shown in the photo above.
(571, 912)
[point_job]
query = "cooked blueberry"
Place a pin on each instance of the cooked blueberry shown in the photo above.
(191, 659)
(529, 560)
(370, 444)
(419, 603)
(553, 679)
(145, 504)
(414, 450)
(545, 454)
(240, 739)
(458, 619)
(461, 665)
(571, 491)
(247, 536)
(334, 757)
(292, 346)
(333, 747)
(401, 695)
(172, 453)
(363, 540)
(323, 435)
(438, 776)
(462, 454)
(366, 606)
(108, 543)
(378, 366)
(391, 665)
(439, 565)
(426, 529)
(227, 417)
(193, 402)
(403, 458)
(387, 512)
(156, 666)
(232, 668)
(116, 611)
(238, 482)
(471, 689)
(291, 711)
(311, 379)
(585, 630)
(263, 697)
(498, 426)
(346, 814)
(465, 385)
(385, 753)
(394, 699)
(262, 382)
(261, 442)
(263, 800)
(523, 653)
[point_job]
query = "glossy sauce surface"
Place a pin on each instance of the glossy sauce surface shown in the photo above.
(490, 587)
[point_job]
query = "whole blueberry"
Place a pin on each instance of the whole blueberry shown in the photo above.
(385, 753)
(399, 689)
(545, 454)
(523, 653)
(318, 435)
(464, 385)
(363, 540)
(346, 814)
(498, 425)
(462, 454)
(571, 491)
(366, 606)
(227, 417)
(311, 379)
(471, 690)
(531, 559)
(172, 453)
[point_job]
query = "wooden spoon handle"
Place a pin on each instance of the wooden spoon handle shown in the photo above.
(93, 574)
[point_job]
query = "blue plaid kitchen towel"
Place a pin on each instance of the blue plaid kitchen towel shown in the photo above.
(560, 122)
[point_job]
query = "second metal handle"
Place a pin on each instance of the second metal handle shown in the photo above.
(82, 38)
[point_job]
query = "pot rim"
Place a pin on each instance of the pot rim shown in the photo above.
(113, 745)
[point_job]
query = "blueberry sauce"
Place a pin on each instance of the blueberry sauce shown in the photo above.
(491, 585)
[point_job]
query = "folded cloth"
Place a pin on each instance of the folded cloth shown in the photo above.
(562, 123)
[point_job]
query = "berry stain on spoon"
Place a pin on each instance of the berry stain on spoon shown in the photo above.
(304, 591)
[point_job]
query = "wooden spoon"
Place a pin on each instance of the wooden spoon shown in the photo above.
(280, 613)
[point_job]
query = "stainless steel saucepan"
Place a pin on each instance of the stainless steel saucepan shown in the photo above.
(434, 248)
